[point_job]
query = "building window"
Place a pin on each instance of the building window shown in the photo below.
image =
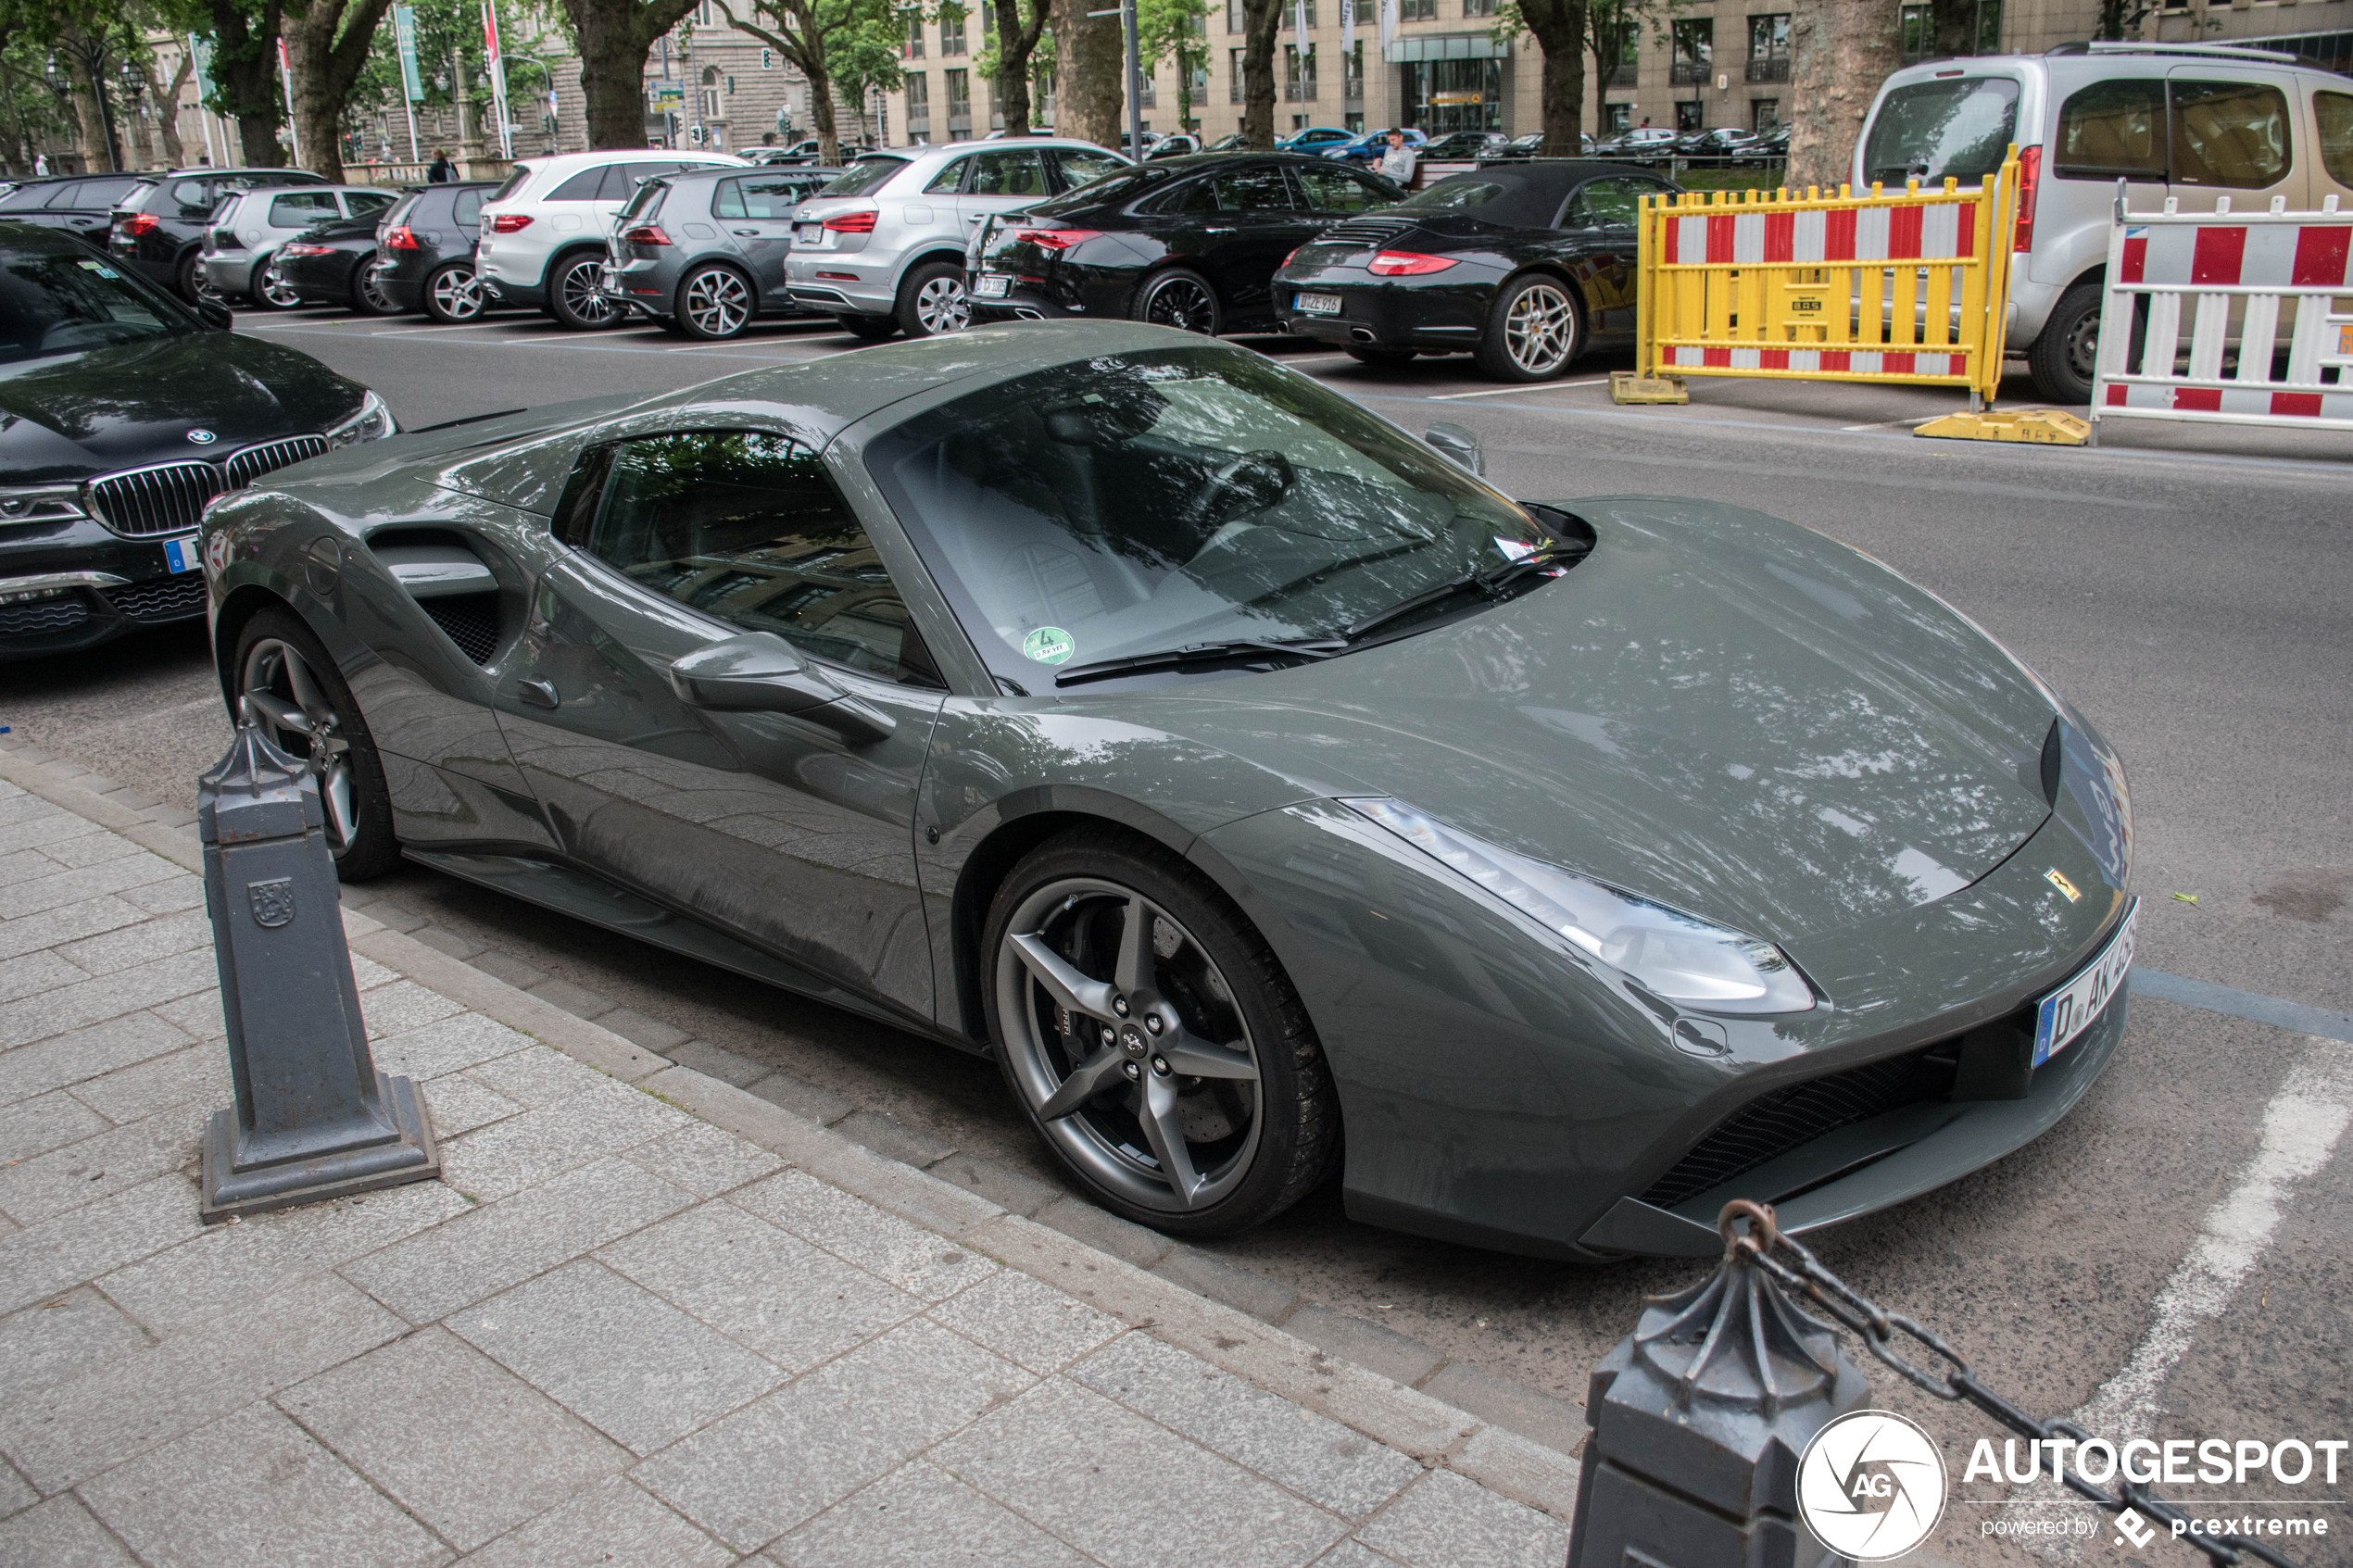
(1417, 10)
(915, 35)
(711, 109)
(1478, 8)
(952, 32)
(1695, 53)
(1764, 115)
(1233, 75)
(1617, 119)
(1691, 115)
(959, 101)
(918, 102)
(1629, 67)
(1298, 74)
(1351, 77)
(1769, 49)
(1233, 16)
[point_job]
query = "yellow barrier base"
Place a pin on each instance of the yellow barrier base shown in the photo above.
(1629, 386)
(2048, 426)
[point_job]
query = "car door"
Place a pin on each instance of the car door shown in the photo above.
(794, 836)
(755, 212)
(1004, 179)
(1249, 219)
(1599, 235)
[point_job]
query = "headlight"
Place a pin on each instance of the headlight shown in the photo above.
(372, 422)
(47, 503)
(1673, 954)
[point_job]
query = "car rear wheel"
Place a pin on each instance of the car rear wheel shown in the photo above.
(1153, 1039)
(454, 296)
(575, 296)
(934, 300)
(2064, 357)
(1534, 331)
(367, 297)
(298, 697)
(873, 329)
(713, 302)
(273, 292)
(1180, 298)
(1365, 356)
(190, 277)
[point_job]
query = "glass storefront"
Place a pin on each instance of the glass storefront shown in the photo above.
(1446, 95)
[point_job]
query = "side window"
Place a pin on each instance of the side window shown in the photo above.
(366, 204)
(581, 187)
(192, 195)
(2333, 111)
(1607, 204)
(1247, 190)
(2112, 129)
(468, 210)
(764, 195)
(1015, 172)
(950, 180)
(299, 209)
(748, 527)
(2229, 133)
(727, 201)
(1080, 164)
(1335, 190)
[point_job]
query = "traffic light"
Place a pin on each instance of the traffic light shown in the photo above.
(768, 59)
(695, 135)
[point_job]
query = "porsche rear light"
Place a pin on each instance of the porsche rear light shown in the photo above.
(1054, 239)
(306, 250)
(142, 223)
(1287, 260)
(645, 235)
(2030, 171)
(1406, 264)
(509, 222)
(852, 223)
(402, 238)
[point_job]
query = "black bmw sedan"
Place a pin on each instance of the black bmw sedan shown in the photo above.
(122, 411)
(1524, 265)
(334, 263)
(1187, 241)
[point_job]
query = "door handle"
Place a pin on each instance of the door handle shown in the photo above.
(753, 232)
(1224, 231)
(539, 694)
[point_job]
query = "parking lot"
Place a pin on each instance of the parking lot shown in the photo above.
(2184, 586)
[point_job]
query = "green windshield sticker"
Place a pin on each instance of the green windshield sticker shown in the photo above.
(1049, 644)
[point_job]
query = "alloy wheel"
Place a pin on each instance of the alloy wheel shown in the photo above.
(1125, 1038)
(580, 295)
(371, 290)
(717, 302)
(293, 709)
(1183, 303)
(942, 305)
(277, 292)
(457, 294)
(1541, 330)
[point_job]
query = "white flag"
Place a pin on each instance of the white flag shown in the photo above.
(1388, 23)
(1299, 30)
(1347, 32)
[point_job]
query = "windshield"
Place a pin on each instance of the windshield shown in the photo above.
(865, 177)
(1960, 128)
(514, 182)
(1121, 184)
(63, 303)
(1146, 501)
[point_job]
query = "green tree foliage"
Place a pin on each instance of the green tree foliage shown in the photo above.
(1175, 30)
(1020, 53)
(846, 48)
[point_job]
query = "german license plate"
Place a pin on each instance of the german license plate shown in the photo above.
(181, 554)
(2069, 1011)
(992, 285)
(1318, 303)
(808, 234)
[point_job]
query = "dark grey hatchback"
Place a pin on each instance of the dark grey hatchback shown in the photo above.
(703, 251)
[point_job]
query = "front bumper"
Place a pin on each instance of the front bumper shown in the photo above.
(92, 586)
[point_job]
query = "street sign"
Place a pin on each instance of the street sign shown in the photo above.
(667, 97)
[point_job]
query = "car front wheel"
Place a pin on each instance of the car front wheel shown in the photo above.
(1153, 1039)
(298, 697)
(575, 295)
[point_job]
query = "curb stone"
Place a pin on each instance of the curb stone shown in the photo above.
(1094, 1258)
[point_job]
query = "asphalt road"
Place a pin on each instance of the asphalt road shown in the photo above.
(2184, 586)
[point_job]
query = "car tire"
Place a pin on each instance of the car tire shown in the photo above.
(1179, 298)
(1250, 1139)
(1386, 357)
(268, 295)
(2062, 355)
(452, 295)
(302, 704)
(189, 281)
(934, 300)
(1535, 330)
(872, 329)
(714, 302)
(367, 298)
(573, 296)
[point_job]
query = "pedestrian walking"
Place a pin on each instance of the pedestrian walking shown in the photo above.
(40, 164)
(1398, 161)
(442, 172)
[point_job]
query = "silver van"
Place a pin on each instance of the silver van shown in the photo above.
(2193, 122)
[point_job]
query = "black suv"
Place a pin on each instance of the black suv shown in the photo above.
(159, 225)
(78, 204)
(425, 251)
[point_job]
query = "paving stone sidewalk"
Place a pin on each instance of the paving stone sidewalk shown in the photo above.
(646, 1318)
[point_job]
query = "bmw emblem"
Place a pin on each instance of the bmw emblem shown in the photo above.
(202, 437)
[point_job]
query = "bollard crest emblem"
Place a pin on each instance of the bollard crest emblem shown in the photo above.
(273, 901)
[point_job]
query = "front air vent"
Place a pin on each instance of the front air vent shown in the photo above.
(43, 615)
(146, 503)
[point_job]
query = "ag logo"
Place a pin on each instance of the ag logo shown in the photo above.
(1871, 1486)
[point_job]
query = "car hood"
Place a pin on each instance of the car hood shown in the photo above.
(85, 414)
(1717, 710)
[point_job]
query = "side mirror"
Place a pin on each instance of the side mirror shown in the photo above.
(216, 316)
(1459, 445)
(759, 672)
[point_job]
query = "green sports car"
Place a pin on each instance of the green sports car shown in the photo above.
(1270, 796)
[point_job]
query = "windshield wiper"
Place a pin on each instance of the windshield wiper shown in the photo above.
(1200, 653)
(1488, 584)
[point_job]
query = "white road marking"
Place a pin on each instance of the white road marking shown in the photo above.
(1507, 391)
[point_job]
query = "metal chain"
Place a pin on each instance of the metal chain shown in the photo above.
(1763, 1245)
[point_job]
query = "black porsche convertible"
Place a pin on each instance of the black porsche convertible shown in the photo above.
(122, 411)
(1524, 265)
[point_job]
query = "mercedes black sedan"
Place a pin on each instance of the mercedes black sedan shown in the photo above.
(1190, 243)
(122, 411)
(1525, 266)
(334, 263)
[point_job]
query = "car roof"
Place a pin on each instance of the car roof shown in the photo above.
(771, 171)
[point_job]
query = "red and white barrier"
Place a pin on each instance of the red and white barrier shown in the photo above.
(1938, 231)
(2245, 276)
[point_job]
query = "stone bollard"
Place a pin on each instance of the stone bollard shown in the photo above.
(313, 1118)
(1699, 1418)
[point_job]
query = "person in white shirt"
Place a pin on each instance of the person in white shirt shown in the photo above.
(1398, 162)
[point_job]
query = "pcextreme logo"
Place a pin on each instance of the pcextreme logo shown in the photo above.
(1871, 1486)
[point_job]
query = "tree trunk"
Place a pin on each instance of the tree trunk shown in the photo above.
(327, 47)
(461, 90)
(1262, 19)
(167, 104)
(1016, 42)
(1559, 27)
(1841, 51)
(1091, 64)
(244, 76)
(614, 38)
(90, 127)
